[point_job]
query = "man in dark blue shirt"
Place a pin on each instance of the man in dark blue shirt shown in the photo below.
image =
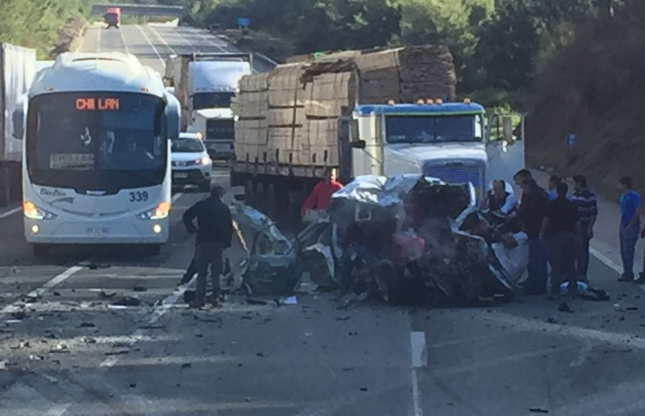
(214, 233)
(630, 204)
(587, 204)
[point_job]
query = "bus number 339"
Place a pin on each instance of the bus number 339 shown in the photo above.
(138, 196)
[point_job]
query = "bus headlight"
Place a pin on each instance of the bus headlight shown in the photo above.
(159, 213)
(32, 212)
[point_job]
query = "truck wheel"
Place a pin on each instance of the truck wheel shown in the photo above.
(260, 198)
(39, 250)
(152, 249)
(249, 193)
(272, 203)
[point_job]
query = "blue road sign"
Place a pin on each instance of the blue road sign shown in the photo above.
(243, 22)
(571, 140)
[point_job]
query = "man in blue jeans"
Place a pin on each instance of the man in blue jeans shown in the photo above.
(531, 213)
(630, 205)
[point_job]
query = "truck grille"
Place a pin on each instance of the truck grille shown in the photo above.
(457, 173)
(220, 130)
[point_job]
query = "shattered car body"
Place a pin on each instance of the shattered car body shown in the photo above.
(412, 239)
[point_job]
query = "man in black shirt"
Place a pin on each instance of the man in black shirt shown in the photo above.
(530, 213)
(214, 233)
(559, 230)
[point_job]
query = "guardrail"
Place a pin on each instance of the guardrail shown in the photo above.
(267, 62)
(141, 10)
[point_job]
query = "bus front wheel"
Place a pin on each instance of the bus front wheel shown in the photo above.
(152, 249)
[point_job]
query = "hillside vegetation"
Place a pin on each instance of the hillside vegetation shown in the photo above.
(594, 89)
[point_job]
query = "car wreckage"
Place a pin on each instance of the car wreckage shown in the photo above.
(405, 239)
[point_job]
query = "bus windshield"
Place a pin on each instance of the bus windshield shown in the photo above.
(96, 141)
(434, 129)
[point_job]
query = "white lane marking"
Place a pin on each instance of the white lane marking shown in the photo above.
(605, 260)
(159, 311)
(44, 288)
(98, 39)
(10, 212)
(125, 45)
(416, 395)
(57, 410)
(418, 347)
(584, 354)
(419, 359)
(154, 48)
(176, 196)
(172, 51)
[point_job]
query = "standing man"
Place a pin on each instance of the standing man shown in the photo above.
(552, 185)
(320, 197)
(559, 230)
(520, 175)
(630, 203)
(587, 205)
(531, 213)
(214, 233)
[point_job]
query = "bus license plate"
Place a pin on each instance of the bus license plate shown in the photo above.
(97, 231)
(180, 175)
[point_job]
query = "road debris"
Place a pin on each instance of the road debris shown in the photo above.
(106, 295)
(564, 307)
(186, 365)
(538, 410)
(120, 352)
(87, 325)
(140, 289)
(59, 349)
(127, 301)
(37, 357)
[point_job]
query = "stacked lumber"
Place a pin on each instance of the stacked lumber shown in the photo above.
(290, 115)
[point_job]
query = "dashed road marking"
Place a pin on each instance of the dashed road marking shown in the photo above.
(154, 48)
(6, 214)
(44, 288)
(419, 359)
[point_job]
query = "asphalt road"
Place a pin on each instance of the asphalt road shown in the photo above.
(65, 351)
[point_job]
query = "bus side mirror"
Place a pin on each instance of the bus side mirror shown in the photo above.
(358, 144)
(173, 117)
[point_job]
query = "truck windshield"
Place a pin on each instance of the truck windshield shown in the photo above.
(96, 141)
(204, 100)
(433, 129)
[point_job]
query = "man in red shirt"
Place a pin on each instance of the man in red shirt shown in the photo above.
(320, 197)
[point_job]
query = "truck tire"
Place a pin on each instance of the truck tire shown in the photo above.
(272, 203)
(260, 197)
(39, 250)
(249, 193)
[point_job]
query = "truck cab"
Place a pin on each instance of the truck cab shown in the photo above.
(449, 141)
(217, 127)
(112, 17)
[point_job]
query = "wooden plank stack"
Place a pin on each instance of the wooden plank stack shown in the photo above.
(290, 115)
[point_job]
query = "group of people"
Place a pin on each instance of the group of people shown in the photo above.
(559, 227)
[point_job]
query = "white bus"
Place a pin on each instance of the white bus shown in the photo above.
(96, 160)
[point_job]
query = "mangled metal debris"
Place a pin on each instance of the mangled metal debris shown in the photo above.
(404, 239)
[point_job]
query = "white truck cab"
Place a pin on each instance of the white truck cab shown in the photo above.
(449, 141)
(217, 127)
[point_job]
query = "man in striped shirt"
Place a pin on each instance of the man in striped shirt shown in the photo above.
(587, 205)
